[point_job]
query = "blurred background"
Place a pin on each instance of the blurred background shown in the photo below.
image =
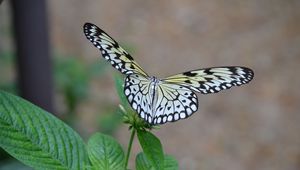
(256, 126)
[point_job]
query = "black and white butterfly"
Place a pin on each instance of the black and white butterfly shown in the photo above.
(158, 101)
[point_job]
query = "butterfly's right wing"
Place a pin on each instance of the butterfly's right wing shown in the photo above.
(212, 80)
(174, 102)
(111, 50)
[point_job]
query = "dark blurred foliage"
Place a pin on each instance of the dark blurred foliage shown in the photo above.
(72, 79)
(110, 121)
(7, 81)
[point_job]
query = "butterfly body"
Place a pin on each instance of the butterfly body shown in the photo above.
(153, 87)
(158, 101)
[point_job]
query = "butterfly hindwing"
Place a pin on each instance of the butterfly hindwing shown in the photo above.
(111, 50)
(174, 102)
(170, 103)
(212, 80)
(136, 90)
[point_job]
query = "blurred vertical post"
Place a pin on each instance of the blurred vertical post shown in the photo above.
(30, 24)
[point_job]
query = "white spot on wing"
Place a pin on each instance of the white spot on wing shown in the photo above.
(182, 115)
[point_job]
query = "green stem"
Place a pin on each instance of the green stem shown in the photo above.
(129, 147)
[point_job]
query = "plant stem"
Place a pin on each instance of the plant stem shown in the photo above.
(129, 147)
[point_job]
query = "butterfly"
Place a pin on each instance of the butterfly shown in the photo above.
(170, 99)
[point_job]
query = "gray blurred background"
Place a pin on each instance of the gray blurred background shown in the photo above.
(256, 126)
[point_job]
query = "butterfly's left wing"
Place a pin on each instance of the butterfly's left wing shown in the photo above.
(111, 50)
(212, 80)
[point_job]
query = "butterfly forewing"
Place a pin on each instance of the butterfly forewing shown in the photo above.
(169, 102)
(111, 50)
(212, 80)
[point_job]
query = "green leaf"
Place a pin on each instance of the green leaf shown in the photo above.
(142, 163)
(152, 148)
(37, 138)
(105, 153)
(170, 163)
